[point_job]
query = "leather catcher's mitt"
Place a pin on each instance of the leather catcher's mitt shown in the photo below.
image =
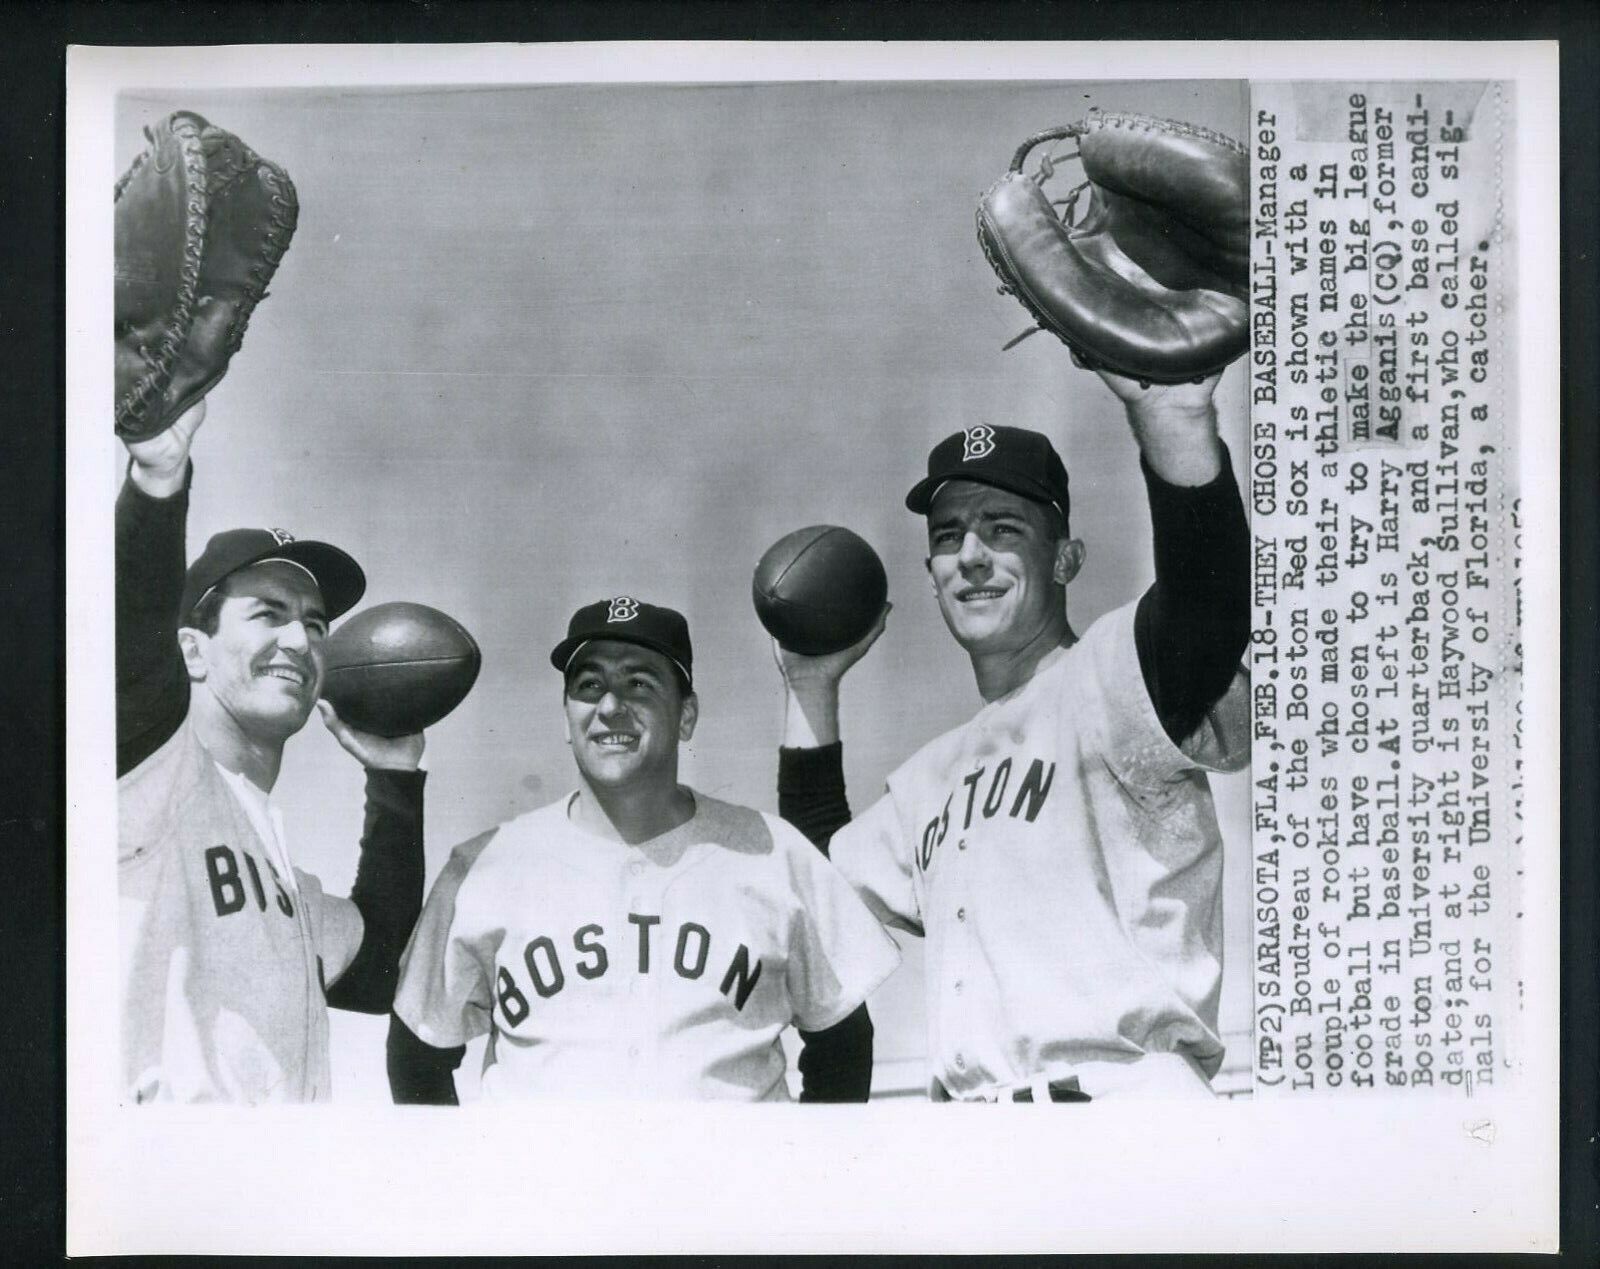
(1153, 282)
(201, 224)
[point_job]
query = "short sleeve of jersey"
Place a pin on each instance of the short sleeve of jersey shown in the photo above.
(838, 953)
(1135, 744)
(873, 856)
(446, 990)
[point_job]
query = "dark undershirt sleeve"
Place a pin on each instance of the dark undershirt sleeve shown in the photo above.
(387, 890)
(1192, 626)
(836, 1064)
(419, 1074)
(152, 683)
(811, 793)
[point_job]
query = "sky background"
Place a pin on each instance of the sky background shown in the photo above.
(535, 346)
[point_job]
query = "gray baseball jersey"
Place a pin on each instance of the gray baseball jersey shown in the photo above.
(222, 993)
(1061, 855)
(666, 969)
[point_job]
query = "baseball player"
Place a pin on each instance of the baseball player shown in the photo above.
(636, 938)
(230, 954)
(1059, 852)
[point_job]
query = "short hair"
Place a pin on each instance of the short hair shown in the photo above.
(207, 613)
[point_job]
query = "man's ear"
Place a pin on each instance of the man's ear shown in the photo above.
(192, 643)
(1070, 553)
(689, 717)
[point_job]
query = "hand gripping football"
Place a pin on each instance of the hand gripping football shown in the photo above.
(819, 589)
(201, 224)
(398, 668)
(1153, 282)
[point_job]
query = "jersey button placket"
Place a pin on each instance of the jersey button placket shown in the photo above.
(956, 1026)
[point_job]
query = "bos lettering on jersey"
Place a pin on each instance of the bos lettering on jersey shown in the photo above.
(1061, 856)
(985, 792)
(686, 952)
(222, 994)
(228, 892)
(667, 968)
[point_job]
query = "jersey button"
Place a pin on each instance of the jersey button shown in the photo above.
(962, 844)
(636, 867)
(958, 986)
(961, 914)
(961, 1062)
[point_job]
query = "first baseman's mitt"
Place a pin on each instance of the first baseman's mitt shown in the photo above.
(1153, 282)
(201, 223)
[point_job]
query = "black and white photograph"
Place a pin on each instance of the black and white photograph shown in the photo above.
(650, 577)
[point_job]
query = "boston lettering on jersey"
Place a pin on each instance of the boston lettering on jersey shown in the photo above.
(228, 892)
(985, 792)
(545, 971)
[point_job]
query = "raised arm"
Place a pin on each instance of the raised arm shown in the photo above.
(1193, 625)
(365, 934)
(151, 514)
(811, 793)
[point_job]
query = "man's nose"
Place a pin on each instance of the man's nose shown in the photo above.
(609, 705)
(974, 552)
(293, 635)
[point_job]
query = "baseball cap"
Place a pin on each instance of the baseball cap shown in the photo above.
(338, 577)
(628, 620)
(1010, 458)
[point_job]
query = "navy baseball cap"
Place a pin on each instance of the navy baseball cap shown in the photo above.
(337, 576)
(628, 620)
(1010, 458)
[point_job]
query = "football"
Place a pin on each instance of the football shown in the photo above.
(819, 589)
(398, 668)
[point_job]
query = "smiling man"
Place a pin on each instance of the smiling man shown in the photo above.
(230, 954)
(637, 939)
(1059, 852)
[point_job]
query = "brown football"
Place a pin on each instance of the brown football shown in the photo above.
(395, 669)
(819, 589)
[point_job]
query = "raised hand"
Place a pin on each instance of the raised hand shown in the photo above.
(159, 462)
(384, 753)
(1175, 425)
(811, 688)
(798, 670)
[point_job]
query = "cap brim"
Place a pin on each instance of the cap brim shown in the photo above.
(339, 577)
(561, 655)
(920, 499)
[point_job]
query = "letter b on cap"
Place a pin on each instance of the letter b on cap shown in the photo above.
(979, 443)
(622, 609)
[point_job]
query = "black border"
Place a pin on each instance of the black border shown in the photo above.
(32, 141)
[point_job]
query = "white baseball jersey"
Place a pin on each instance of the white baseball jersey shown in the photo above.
(665, 969)
(222, 991)
(1061, 855)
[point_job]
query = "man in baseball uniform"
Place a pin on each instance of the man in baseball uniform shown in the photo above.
(636, 938)
(1059, 852)
(230, 954)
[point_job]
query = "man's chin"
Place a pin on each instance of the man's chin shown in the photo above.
(282, 718)
(611, 770)
(974, 631)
